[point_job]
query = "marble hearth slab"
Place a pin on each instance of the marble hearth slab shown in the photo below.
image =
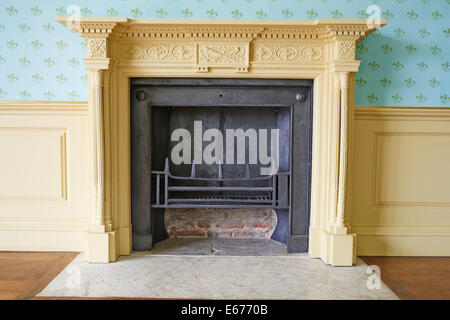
(215, 277)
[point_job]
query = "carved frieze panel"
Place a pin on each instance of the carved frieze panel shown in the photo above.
(234, 55)
(287, 53)
(201, 55)
(161, 52)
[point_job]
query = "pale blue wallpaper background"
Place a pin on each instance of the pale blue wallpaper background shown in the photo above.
(405, 64)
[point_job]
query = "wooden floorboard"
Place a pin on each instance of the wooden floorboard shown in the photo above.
(25, 274)
(415, 278)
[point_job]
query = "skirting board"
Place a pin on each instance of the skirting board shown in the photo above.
(431, 246)
(42, 240)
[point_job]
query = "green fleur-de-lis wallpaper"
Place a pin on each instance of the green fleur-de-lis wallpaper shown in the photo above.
(406, 63)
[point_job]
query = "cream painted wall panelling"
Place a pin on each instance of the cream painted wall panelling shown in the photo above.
(44, 198)
(401, 181)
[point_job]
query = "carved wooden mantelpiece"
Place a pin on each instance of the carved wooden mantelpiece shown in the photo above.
(121, 48)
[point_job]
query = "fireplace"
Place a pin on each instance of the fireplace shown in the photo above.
(221, 147)
(121, 49)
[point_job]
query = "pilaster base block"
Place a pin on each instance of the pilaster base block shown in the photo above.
(338, 249)
(101, 247)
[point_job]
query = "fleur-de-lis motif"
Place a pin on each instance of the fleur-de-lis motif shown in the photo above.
(446, 32)
(24, 95)
(24, 27)
(37, 78)
(73, 95)
(445, 66)
(336, 14)
(411, 49)
(385, 82)
(236, 14)
(387, 14)
(85, 11)
(386, 49)
(12, 77)
(211, 14)
(397, 65)
(49, 62)
(61, 11)
(73, 62)
(396, 98)
(136, 13)
(361, 48)
(49, 95)
(362, 14)
(36, 44)
(48, 27)
(311, 14)
(445, 99)
(399, 33)
(372, 98)
(410, 82)
(422, 66)
(437, 15)
(186, 13)
(435, 50)
(412, 15)
(11, 10)
(360, 82)
(61, 44)
(424, 33)
(287, 14)
(11, 44)
(421, 98)
(434, 83)
(61, 78)
(373, 65)
(36, 11)
(111, 12)
(261, 14)
(24, 61)
(161, 13)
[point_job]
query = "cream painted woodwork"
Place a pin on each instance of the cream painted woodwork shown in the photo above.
(44, 173)
(121, 48)
(401, 184)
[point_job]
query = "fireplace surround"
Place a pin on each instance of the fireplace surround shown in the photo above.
(322, 50)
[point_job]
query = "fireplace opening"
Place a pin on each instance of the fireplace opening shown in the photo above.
(221, 158)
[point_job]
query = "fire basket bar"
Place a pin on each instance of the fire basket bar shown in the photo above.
(274, 196)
